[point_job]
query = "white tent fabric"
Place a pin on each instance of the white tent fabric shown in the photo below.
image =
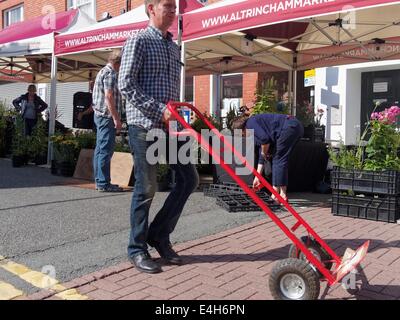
(43, 44)
(92, 44)
(26, 48)
(240, 36)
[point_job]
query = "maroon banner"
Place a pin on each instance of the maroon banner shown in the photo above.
(254, 13)
(349, 54)
(95, 39)
(111, 37)
(5, 75)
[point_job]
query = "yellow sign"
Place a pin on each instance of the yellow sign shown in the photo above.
(309, 73)
(309, 78)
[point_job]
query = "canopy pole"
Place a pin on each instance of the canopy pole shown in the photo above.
(294, 84)
(290, 89)
(183, 73)
(181, 45)
(53, 100)
(294, 92)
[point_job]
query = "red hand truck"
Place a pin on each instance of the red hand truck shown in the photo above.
(311, 260)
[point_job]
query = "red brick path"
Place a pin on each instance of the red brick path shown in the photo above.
(235, 264)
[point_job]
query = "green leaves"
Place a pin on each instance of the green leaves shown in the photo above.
(346, 158)
(380, 153)
(267, 98)
(382, 147)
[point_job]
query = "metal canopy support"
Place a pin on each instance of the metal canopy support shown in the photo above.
(53, 100)
(294, 84)
(290, 89)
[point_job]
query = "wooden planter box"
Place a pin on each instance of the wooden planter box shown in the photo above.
(121, 167)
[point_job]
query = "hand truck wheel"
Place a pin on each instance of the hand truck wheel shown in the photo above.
(294, 279)
(315, 249)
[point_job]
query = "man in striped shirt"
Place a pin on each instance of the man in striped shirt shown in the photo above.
(149, 78)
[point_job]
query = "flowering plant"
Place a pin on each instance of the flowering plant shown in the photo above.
(381, 151)
(318, 116)
(307, 115)
(384, 143)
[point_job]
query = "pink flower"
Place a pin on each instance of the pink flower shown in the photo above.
(375, 116)
(388, 116)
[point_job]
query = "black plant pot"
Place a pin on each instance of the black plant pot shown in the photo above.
(40, 159)
(18, 161)
(66, 169)
(54, 167)
(314, 134)
(308, 133)
(2, 149)
(163, 185)
(26, 159)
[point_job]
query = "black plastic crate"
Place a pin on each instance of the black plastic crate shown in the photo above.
(374, 182)
(215, 190)
(385, 209)
(243, 202)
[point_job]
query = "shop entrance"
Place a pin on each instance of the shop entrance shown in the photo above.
(382, 88)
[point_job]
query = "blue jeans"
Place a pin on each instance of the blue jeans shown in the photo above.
(105, 141)
(291, 133)
(164, 223)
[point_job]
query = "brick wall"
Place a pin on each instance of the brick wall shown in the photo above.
(202, 93)
(33, 8)
(249, 87)
(113, 7)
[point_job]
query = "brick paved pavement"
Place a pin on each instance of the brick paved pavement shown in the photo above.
(235, 264)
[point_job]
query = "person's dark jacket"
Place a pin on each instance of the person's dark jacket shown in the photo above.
(20, 104)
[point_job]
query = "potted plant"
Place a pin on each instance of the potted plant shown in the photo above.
(39, 141)
(3, 128)
(163, 177)
(314, 131)
(198, 125)
(20, 144)
(366, 178)
(65, 153)
(85, 139)
(230, 116)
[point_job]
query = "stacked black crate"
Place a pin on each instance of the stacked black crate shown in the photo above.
(373, 195)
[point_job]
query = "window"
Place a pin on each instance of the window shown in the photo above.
(87, 6)
(13, 15)
(232, 86)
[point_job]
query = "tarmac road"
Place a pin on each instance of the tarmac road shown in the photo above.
(77, 231)
(68, 231)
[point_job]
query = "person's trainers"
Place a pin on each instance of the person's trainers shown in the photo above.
(110, 188)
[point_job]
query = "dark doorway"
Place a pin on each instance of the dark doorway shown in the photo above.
(382, 87)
